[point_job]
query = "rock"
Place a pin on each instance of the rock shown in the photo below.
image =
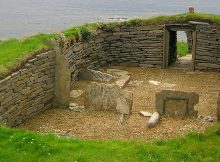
(73, 106)
(89, 74)
(145, 113)
(218, 108)
(125, 102)
(76, 93)
(123, 80)
(76, 107)
(117, 72)
(176, 103)
(135, 82)
(153, 121)
(100, 96)
(154, 82)
(206, 118)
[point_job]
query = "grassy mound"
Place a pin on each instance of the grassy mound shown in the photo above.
(14, 52)
(20, 145)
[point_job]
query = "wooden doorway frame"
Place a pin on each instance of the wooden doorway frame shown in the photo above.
(166, 41)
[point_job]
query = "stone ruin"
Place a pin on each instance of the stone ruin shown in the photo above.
(101, 96)
(176, 103)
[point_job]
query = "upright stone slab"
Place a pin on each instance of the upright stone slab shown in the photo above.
(176, 103)
(100, 96)
(218, 107)
(62, 80)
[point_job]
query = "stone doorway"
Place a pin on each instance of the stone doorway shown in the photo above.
(170, 47)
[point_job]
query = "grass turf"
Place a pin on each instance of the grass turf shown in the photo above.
(14, 52)
(21, 145)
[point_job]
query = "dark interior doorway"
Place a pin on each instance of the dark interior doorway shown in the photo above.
(172, 58)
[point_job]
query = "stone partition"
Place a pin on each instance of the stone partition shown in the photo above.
(28, 91)
(176, 103)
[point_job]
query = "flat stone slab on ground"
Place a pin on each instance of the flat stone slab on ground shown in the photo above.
(145, 113)
(93, 75)
(76, 93)
(117, 72)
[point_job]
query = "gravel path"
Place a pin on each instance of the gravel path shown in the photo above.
(106, 125)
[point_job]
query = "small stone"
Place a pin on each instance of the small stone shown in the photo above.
(73, 106)
(154, 82)
(135, 82)
(153, 121)
(145, 113)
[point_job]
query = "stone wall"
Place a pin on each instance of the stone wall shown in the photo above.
(207, 48)
(128, 46)
(27, 91)
(135, 46)
(31, 89)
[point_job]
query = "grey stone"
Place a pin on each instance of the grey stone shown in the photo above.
(62, 80)
(122, 81)
(73, 106)
(117, 72)
(100, 96)
(218, 108)
(145, 113)
(76, 93)
(154, 120)
(176, 103)
(93, 75)
(125, 102)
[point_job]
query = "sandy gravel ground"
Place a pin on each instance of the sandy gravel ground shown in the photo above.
(106, 125)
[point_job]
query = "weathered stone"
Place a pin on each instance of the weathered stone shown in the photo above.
(100, 96)
(117, 72)
(145, 113)
(176, 103)
(125, 102)
(62, 80)
(88, 74)
(154, 120)
(218, 108)
(122, 81)
(76, 93)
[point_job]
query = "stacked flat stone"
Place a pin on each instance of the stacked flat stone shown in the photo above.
(27, 91)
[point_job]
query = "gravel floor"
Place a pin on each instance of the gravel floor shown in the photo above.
(106, 125)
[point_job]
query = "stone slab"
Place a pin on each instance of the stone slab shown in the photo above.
(176, 103)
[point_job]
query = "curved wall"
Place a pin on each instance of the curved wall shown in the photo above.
(31, 89)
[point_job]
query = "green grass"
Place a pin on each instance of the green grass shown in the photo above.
(182, 49)
(14, 52)
(19, 145)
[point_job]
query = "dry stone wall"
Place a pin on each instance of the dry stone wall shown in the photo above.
(31, 89)
(129, 46)
(207, 47)
(135, 46)
(27, 91)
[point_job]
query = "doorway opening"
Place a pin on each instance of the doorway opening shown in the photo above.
(179, 47)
